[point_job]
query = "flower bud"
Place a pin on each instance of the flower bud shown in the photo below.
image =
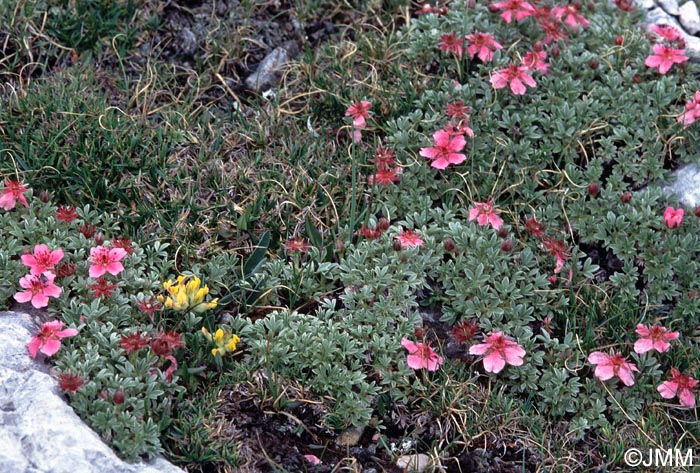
(593, 190)
(118, 397)
(44, 196)
(419, 332)
(619, 40)
(99, 238)
(502, 232)
(637, 79)
(449, 245)
(625, 197)
(593, 64)
(697, 211)
(397, 246)
(506, 246)
(383, 224)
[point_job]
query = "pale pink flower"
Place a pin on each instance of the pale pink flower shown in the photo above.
(420, 355)
(485, 214)
(653, 338)
(48, 340)
(313, 459)
(409, 239)
(692, 111)
(446, 150)
(665, 57)
(42, 259)
(518, 8)
(482, 45)
(680, 385)
(673, 217)
(452, 43)
(14, 191)
(38, 289)
(535, 61)
(516, 76)
(570, 15)
(608, 366)
(105, 260)
(499, 350)
(558, 249)
(668, 33)
(359, 111)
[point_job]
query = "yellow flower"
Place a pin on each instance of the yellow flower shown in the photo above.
(187, 294)
(224, 340)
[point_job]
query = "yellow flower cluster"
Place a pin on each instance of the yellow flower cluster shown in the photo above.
(225, 341)
(187, 294)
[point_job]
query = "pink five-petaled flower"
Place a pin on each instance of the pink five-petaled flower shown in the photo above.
(105, 260)
(668, 33)
(482, 45)
(680, 385)
(409, 239)
(535, 61)
(452, 43)
(608, 366)
(692, 111)
(486, 214)
(42, 260)
(570, 16)
(665, 57)
(499, 350)
(14, 191)
(297, 244)
(516, 76)
(38, 289)
(420, 355)
(673, 217)
(653, 338)
(48, 340)
(519, 8)
(359, 111)
(446, 150)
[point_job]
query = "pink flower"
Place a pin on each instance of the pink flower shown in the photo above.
(668, 33)
(48, 340)
(42, 260)
(458, 110)
(385, 176)
(297, 244)
(66, 213)
(519, 8)
(679, 385)
(105, 260)
(558, 249)
(612, 365)
(408, 239)
(359, 111)
(446, 150)
(653, 338)
(535, 61)
(673, 217)
(692, 111)
(70, 382)
(420, 355)
(665, 57)
(499, 350)
(486, 214)
(313, 459)
(14, 191)
(38, 289)
(452, 43)
(570, 15)
(516, 76)
(482, 45)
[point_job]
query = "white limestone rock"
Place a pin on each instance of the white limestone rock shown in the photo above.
(40, 432)
(686, 185)
(690, 17)
(669, 6)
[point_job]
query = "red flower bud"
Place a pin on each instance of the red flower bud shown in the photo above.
(419, 332)
(619, 40)
(593, 190)
(118, 397)
(625, 197)
(44, 196)
(449, 245)
(506, 246)
(383, 224)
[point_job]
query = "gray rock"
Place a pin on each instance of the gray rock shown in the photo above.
(645, 4)
(40, 432)
(269, 71)
(690, 17)
(686, 185)
(669, 6)
(417, 463)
